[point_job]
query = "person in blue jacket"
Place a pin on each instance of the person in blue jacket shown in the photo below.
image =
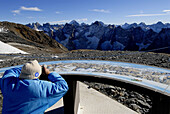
(24, 93)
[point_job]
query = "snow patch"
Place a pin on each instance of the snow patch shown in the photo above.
(5, 48)
(38, 30)
(3, 30)
(18, 44)
(55, 56)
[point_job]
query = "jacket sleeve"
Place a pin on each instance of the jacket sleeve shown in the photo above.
(55, 89)
(14, 72)
(60, 83)
(0, 83)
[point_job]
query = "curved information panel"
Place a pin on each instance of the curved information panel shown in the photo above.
(154, 78)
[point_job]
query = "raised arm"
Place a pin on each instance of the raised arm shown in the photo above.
(0, 82)
(14, 72)
(55, 89)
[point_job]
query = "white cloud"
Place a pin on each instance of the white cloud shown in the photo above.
(30, 8)
(164, 12)
(62, 21)
(145, 15)
(16, 11)
(57, 12)
(79, 20)
(67, 21)
(101, 10)
(167, 11)
(30, 17)
(141, 11)
(23, 8)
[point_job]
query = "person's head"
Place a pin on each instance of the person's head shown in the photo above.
(31, 70)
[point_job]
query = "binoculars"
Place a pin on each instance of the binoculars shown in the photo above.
(43, 75)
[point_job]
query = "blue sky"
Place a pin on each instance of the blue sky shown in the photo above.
(87, 11)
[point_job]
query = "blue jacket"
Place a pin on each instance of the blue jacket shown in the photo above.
(30, 96)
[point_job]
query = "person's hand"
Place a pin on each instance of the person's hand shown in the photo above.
(45, 73)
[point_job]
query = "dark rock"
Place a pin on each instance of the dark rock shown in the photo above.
(139, 96)
(118, 88)
(123, 89)
(146, 110)
(134, 107)
(131, 101)
(112, 87)
(121, 98)
(112, 91)
(132, 95)
(97, 87)
(143, 104)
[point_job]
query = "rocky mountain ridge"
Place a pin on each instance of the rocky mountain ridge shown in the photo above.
(18, 34)
(108, 37)
(157, 27)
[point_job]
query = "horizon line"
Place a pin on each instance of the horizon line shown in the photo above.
(86, 23)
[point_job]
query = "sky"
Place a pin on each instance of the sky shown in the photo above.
(88, 11)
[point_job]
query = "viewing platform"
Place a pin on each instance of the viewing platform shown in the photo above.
(80, 99)
(93, 102)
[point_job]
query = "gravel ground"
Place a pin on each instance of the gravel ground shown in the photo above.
(136, 101)
(152, 59)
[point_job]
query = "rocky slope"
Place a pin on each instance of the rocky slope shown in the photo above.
(17, 34)
(108, 37)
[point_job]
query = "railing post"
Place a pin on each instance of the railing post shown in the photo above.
(71, 99)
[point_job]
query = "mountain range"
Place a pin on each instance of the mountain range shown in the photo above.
(134, 37)
(155, 27)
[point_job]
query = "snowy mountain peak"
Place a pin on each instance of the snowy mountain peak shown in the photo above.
(37, 24)
(111, 26)
(155, 27)
(74, 22)
(83, 24)
(46, 25)
(125, 25)
(99, 23)
(159, 23)
(142, 24)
